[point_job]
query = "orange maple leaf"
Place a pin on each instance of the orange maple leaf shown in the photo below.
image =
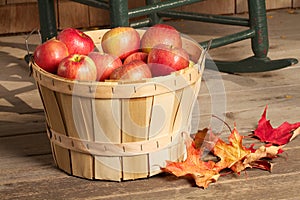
(231, 155)
(202, 172)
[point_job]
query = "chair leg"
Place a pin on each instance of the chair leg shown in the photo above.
(258, 23)
(260, 46)
(118, 10)
(47, 19)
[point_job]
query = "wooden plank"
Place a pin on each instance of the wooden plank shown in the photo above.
(19, 1)
(242, 5)
(25, 145)
(247, 113)
(211, 7)
(18, 18)
(247, 121)
(270, 4)
(165, 186)
(98, 17)
(28, 168)
(19, 97)
(250, 81)
(135, 4)
(10, 123)
(296, 3)
(72, 14)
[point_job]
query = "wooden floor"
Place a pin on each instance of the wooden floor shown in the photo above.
(27, 170)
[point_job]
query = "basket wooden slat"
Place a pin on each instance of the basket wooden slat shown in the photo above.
(78, 123)
(107, 167)
(119, 130)
(55, 121)
(135, 126)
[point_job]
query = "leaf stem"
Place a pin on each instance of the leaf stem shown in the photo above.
(215, 116)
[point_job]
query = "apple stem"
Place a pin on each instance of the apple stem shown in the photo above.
(77, 58)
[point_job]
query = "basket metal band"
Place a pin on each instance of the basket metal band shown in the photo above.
(116, 149)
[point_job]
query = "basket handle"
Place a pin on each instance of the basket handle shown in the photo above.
(29, 56)
(201, 61)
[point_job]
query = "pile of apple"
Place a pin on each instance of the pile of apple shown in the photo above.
(125, 55)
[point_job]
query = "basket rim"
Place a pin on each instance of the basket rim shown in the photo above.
(122, 89)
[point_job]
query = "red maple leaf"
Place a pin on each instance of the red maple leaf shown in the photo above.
(278, 136)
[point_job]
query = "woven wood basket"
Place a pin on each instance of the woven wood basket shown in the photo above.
(119, 130)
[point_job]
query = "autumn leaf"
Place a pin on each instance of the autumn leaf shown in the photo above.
(278, 136)
(231, 155)
(295, 134)
(262, 164)
(205, 139)
(202, 172)
(254, 159)
(199, 137)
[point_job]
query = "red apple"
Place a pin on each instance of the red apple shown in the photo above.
(160, 34)
(77, 41)
(105, 64)
(77, 67)
(164, 59)
(135, 70)
(136, 56)
(121, 41)
(49, 54)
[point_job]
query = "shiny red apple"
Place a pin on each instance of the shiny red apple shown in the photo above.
(105, 64)
(121, 41)
(49, 54)
(164, 59)
(136, 56)
(77, 41)
(77, 67)
(135, 70)
(160, 34)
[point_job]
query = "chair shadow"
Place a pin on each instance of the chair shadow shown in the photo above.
(22, 121)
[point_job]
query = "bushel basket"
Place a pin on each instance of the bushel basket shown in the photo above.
(119, 130)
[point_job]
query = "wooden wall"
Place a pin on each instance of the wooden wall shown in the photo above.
(22, 15)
